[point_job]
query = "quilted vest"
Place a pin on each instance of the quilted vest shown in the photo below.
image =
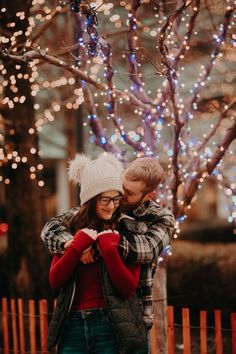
(125, 316)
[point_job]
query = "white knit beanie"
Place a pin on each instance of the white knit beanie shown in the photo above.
(97, 176)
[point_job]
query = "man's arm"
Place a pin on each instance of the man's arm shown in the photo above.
(55, 234)
(149, 237)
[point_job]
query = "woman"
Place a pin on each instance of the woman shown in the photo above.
(91, 324)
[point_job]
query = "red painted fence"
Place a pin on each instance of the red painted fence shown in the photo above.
(24, 327)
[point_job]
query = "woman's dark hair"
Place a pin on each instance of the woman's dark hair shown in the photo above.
(86, 217)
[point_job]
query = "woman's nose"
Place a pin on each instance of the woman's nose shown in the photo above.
(111, 204)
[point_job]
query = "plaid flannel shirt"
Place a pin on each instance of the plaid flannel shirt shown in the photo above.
(144, 234)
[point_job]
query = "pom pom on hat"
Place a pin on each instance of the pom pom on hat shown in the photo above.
(76, 168)
(109, 158)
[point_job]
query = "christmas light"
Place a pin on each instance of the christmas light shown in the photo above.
(154, 112)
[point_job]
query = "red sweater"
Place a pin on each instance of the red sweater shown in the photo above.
(89, 292)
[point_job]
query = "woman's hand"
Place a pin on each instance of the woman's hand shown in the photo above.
(109, 237)
(63, 266)
(88, 256)
(67, 244)
(125, 278)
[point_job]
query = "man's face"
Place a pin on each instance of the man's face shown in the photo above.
(134, 194)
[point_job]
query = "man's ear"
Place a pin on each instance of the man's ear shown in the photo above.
(151, 195)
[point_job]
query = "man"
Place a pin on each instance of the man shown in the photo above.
(146, 228)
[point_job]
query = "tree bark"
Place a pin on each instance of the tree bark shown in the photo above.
(160, 309)
(27, 258)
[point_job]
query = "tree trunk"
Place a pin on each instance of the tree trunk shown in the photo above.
(27, 257)
(160, 309)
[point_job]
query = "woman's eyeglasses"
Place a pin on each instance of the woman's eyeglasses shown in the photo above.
(105, 201)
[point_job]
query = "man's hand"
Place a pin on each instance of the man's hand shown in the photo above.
(88, 256)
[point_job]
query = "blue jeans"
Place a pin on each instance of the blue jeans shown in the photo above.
(88, 332)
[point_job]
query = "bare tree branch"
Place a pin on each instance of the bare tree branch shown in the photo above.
(230, 135)
(213, 131)
(101, 138)
(220, 38)
(47, 24)
(42, 55)
(132, 60)
(171, 77)
(112, 107)
(192, 183)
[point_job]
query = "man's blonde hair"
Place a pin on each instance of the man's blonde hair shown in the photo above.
(146, 169)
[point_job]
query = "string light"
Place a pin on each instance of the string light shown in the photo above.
(153, 117)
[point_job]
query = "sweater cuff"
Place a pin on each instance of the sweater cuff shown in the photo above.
(109, 240)
(91, 233)
(108, 232)
(81, 241)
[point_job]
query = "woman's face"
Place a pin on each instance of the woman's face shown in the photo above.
(107, 203)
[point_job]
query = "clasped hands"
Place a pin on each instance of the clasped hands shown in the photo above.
(89, 255)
